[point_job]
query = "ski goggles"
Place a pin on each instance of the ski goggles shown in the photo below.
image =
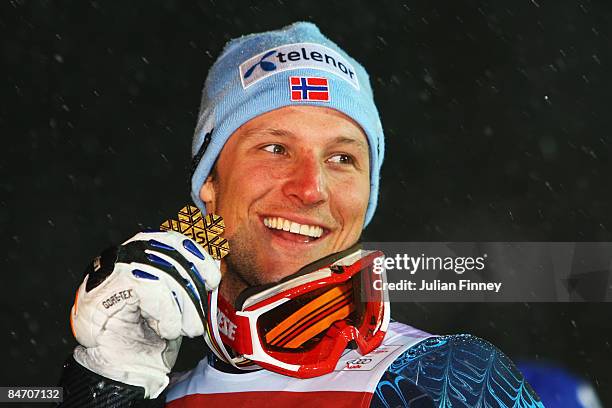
(301, 325)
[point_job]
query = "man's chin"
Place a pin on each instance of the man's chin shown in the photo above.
(277, 276)
(286, 267)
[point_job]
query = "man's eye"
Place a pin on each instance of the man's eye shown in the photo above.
(341, 159)
(275, 149)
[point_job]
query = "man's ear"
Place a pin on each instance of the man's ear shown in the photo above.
(208, 194)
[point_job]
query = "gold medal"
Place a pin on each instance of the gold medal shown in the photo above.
(205, 230)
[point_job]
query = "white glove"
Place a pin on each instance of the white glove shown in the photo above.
(135, 304)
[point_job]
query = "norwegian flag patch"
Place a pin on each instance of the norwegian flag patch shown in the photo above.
(309, 89)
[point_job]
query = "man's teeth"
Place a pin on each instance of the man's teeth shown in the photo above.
(279, 223)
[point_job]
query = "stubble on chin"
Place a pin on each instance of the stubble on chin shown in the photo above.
(240, 268)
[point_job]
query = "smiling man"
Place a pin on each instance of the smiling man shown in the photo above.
(288, 150)
(292, 186)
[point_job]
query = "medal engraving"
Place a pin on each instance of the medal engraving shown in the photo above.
(205, 230)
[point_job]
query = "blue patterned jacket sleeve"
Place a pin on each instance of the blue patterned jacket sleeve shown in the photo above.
(458, 371)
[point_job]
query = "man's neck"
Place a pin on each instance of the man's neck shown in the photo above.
(231, 285)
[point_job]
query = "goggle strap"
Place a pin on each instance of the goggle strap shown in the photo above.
(217, 344)
(237, 335)
(209, 336)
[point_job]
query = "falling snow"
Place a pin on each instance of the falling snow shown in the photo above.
(497, 129)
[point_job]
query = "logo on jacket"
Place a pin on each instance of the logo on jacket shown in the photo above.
(357, 363)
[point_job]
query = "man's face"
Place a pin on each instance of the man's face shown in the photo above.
(292, 186)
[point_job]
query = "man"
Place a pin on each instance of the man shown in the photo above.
(288, 150)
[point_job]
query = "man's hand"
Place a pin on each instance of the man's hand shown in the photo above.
(135, 304)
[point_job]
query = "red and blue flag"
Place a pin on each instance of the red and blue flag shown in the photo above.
(309, 89)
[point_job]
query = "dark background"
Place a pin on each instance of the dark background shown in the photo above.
(497, 118)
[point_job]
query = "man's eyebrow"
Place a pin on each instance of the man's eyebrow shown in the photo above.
(351, 141)
(267, 131)
(251, 133)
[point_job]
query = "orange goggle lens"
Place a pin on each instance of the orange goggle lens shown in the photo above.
(301, 323)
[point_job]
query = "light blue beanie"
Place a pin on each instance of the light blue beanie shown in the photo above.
(258, 73)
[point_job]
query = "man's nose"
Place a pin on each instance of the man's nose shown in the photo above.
(307, 182)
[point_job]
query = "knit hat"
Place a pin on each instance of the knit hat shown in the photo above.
(258, 73)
